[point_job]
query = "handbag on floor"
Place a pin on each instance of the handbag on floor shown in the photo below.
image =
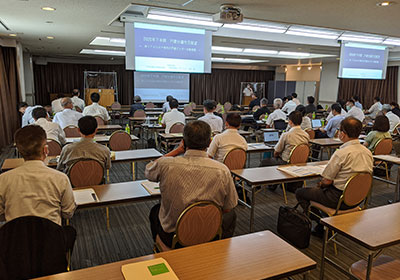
(294, 226)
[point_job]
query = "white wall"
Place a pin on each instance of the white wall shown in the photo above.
(28, 78)
(329, 85)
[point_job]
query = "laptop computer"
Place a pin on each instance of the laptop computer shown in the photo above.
(271, 137)
(316, 123)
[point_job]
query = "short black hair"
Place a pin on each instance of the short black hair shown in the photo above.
(301, 109)
(377, 98)
(209, 105)
(294, 95)
(75, 92)
(394, 104)
(351, 126)
(356, 98)
(336, 107)
(233, 119)
(284, 99)
(289, 97)
(311, 99)
(351, 101)
(341, 102)
(381, 124)
(39, 112)
(296, 117)
(95, 97)
(22, 105)
(169, 98)
(87, 125)
(173, 103)
(197, 135)
(30, 141)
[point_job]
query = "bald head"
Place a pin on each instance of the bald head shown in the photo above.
(351, 127)
(66, 102)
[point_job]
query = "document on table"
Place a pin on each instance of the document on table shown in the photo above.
(147, 270)
(85, 196)
(303, 171)
(152, 187)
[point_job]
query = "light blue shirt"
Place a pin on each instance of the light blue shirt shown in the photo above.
(27, 116)
(358, 105)
(333, 125)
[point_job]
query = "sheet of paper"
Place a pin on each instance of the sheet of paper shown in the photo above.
(303, 171)
(152, 187)
(85, 196)
(148, 270)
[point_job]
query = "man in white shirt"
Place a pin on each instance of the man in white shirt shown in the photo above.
(351, 158)
(26, 112)
(76, 101)
(393, 119)
(295, 100)
(34, 189)
(353, 111)
(172, 117)
(357, 102)
(277, 114)
(67, 116)
(96, 110)
(56, 104)
(227, 140)
(165, 106)
(53, 130)
(289, 106)
(216, 123)
(375, 108)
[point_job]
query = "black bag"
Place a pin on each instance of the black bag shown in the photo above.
(294, 226)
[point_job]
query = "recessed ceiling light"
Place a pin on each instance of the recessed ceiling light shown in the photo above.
(50, 37)
(299, 68)
(385, 4)
(12, 35)
(309, 67)
(48, 9)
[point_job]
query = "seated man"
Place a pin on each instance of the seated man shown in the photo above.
(349, 159)
(56, 104)
(165, 106)
(306, 122)
(53, 130)
(34, 189)
(353, 111)
(86, 148)
(187, 179)
(393, 119)
(295, 99)
(310, 108)
(26, 112)
(333, 124)
(76, 101)
(263, 110)
(215, 122)
(343, 112)
(289, 106)
(67, 116)
(288, 140)
(95, 109)
(357, 102)
(172, 117)
(255, 101)
(375, 108)
(137, 105)
(277, 114)
(228, 140)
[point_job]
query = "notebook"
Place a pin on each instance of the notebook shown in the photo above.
(271, 137)
(148, 270)
(316, 123)
(85, 196)
(152, 187)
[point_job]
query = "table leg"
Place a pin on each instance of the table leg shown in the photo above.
(305, 275)
(369, 266)
(324, 245)
(253, 203)
(155, 138)
(133, 171)
(397, 188)
(321, 152)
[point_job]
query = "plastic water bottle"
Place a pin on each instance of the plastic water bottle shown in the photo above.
(147, 120)
(127, 129)
(160, 118)
(313, 115)
(265, 117)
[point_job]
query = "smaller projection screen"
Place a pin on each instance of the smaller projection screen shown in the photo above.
(363, 61)
(155, 87)
(163, 48)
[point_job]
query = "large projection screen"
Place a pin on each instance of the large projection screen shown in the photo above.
(164, 48)
(362, 61)
(155, 87)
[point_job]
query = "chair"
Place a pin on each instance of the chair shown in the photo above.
(54, 147)
(120, 141)
(71, 131)
(198, 223)
(227, 106)
(177, 128)
(150, 105)
(99, 120)
(357, 190)
(116, 106)
(280, 124)
(310, 132)
(383, 268)
(139, 114)
(86, 172)
(33, 247)
(395, 132)
(299, 154)
(78, 109)
(383, 147)
(236, 159)
(187, 110)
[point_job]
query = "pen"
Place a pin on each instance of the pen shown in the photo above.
(94, 196)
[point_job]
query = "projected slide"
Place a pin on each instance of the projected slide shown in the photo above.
(156, 87)
(161, 48)
(362, 61)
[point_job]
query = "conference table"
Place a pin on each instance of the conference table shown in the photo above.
(269, 175)
(325, 143)
(102, 139)
(261, 255)
(253, 148)
(108, 127)
(394, 160)
(373, 229)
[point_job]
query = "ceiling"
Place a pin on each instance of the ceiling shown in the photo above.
(75, 23)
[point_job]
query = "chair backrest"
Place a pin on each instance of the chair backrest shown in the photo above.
(139, 114)
(280, 124)
(395, 132)
(54, 147)
(99, 120)
(116, 106)
(227, 106)
(187, 110)
(177, 128)
(78, 109)
(357, 189)
(198, 223)
(32, 247)
(310, 132)
(235, 159)
(150, 105)
(383, 146)
(299, 154)
(86, 172)
(120, 141)
(71, 131)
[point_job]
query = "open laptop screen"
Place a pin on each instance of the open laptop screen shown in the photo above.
(316, 123)
(272, 136)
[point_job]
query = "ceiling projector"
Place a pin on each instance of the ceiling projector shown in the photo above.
(228, 14)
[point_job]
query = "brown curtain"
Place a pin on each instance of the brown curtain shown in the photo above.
(9, 95)
(223, 85)
(368, 89)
